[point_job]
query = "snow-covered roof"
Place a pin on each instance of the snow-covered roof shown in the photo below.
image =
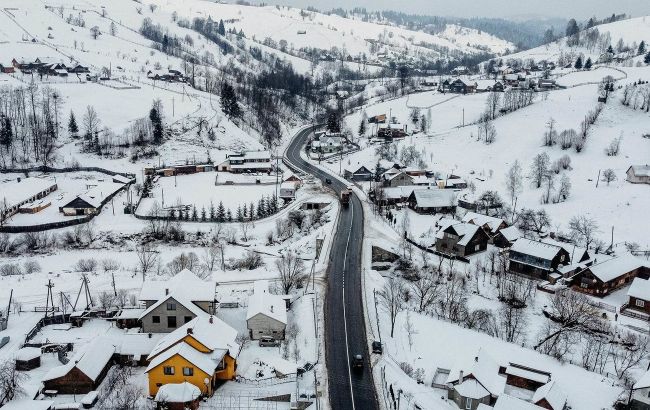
(472, 389)
(207, 362)
(435, 198)
(616, 267)
(640, 289)
(483, 368)
(266, 155)
(15, 192)
(506, 402)
(179, 299)
(511, 233)
(465, 231)
(479, 219)
(641, 170)
(535, 248)
(28, 404)
(28, 353)
(90, 361)
(185, 284)
(211, 332)
(553, 394)
(136, 344)
(643, 382)
(264, 303)
(288, 185)
(130, 314)
(177, 393)
(518, 371)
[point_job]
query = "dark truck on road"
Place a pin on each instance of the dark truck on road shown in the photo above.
(345, 196)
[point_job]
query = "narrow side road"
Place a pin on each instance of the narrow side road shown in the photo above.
(345, 328)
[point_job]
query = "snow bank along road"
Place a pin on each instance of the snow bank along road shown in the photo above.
(345, 328)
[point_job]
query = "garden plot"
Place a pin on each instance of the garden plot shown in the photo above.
(201, 191)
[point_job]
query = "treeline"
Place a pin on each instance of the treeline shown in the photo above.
(29, 125)
(212, 30)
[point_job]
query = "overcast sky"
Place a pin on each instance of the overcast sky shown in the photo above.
(488, 8)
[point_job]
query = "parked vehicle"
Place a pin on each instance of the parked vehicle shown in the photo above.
(377, 347)
(357, 362)
(328, 181)
(269, 342)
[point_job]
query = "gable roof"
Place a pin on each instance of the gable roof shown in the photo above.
(643, 382)
(207, 362)
(506, 402)
(511, 233)
(553, 394)
(472, 389)
(265, 303)
(434, 198)
(483, 368)
(197, 311)
(640, 289)
(640, 170)
(479, 219)
(185, 284)
(177, 393)
(211, 332)
(613, 268)
(90, 361)
(465, 231)
(535, 248)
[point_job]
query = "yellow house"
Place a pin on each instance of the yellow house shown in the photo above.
(201, 352)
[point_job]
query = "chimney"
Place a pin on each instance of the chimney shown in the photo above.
(211, 320)
(189, 330)
(166, 291)
(460, 377)
(271, 308)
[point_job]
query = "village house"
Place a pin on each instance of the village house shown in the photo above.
(394, 196)
(459, 86)
(506, 237)
(490, 224)
(358, 172)
(638, 174)
(536, 259)
(546, 84)
(475, 380)
(81, 205)
(602, 278)
(288, 190)
(249, 161)
(202, 352)
(84, 372)
(7, 69)
(391, 131)
(28, 358)
(328, 144)
(132, 349)
(396, 179)
(267, 313)
(461, 239)
(640, 398)
(174, 302)
(430, 201)
(20, 192)
(639, 295)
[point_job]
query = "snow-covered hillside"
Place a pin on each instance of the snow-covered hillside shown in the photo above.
(631, 32)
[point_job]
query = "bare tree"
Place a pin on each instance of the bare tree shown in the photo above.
(512, 323)
(391, 298)
(110, 265)
(245, 228)
(452, 304)
(628, 353)
(95, 32)
(91, 121)
(11, 382)
(583, 230)
(147, 258)
(426, 291)
(539, 168)
(608, 176)
(514, 181)
(291, 270)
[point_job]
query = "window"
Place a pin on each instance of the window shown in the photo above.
(640, 303)
(478, 247)
(468, 404)
(171, 306)
(168, 370)
(188, 371)
(155, 319)
(171, 321)
(187, 318)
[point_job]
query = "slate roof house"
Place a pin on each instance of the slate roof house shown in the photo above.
(640, 399)
(490, 224)
(639, 295)
(358, 172)
(602, 278)
(461, 239)
(267, 313)
(536, 259)
(506, 237)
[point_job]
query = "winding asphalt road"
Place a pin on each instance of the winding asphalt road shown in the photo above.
(345, 328)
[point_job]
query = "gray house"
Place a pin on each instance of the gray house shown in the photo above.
(267, 313)
(168, 314)
(638, 174)
(393, 180)
(475, 380)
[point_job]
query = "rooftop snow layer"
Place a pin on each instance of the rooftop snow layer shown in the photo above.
(177, 393)
(265, 303)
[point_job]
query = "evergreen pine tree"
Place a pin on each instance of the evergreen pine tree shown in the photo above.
(251, 211)
(647, 58)
(203, 214)
(222, 28)
(642, 48)
(221, 212)
(578, 65)
(245, 211)
(588, 64)
(229, 103)
(610, 49)
(172, 214)
(239, 215)
(333, 124)
(156, 122)
(229, 215)
(73, 128)
(194, 214)
(6, 133)
(213, 213)
(362, 127)
(261, 212)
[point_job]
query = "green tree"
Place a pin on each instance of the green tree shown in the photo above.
(6, 133)
(333, 122)
(229, 103)
(221, 212)
(588, 64)
(578, 65)
(642, 48)
(222, 28)
(647, 58)
(156, 122)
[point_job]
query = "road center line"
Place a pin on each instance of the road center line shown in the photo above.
(345, 321)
